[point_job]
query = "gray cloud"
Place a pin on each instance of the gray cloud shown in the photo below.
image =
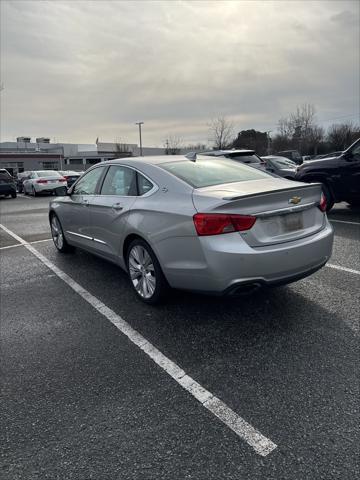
(78, 70)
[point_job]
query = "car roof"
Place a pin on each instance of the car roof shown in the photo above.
(150, 160)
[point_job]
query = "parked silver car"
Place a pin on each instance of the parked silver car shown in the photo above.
(43, 181)
(210, 225)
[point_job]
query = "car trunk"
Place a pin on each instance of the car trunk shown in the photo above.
(285, 210)
(51, 180)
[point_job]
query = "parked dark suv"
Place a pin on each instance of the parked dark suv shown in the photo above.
(20, 180)
(339, 175)
(7, 184)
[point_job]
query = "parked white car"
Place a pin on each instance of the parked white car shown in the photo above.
(43, 181)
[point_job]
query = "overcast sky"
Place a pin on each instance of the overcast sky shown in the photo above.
(85, 69)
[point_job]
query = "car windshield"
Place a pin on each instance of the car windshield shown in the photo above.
(282, 162)
(205, 173)
(48, 173)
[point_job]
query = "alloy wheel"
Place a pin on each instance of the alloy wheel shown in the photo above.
(56, 233)
(142, 271)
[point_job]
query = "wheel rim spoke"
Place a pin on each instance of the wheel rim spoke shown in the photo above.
(57, 233)
(142, 271)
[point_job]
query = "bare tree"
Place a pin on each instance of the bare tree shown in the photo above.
(196, 147)
(298, 129)
(341, 135)
(284, 128)
(221, 132)
(315, 136)
(173, 145)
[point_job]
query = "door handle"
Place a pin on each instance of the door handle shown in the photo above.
(116, 206)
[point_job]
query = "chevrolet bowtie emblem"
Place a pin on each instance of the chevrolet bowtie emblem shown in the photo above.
(295, 200)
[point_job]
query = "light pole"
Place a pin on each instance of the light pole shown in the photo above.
(140, 123)
(268, 140)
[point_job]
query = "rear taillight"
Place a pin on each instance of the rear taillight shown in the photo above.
(41, 181)
(322, 204)
(218, 223)
(62, 179)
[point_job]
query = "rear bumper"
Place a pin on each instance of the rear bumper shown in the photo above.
(7, 189)
(225, 263)
(47, 187)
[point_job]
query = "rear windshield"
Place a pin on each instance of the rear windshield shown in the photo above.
(205, 173)
(243, 158)
(48, 173)
(283, 162)
(6, 177)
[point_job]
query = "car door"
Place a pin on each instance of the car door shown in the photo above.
(350, 172)
(109, 209)
(75, 215)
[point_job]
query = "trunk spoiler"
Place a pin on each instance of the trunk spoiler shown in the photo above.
(240, 197)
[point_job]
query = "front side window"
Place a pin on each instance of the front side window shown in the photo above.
(87, 184)
(120, 181)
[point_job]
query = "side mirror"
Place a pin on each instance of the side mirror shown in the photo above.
(61, 191)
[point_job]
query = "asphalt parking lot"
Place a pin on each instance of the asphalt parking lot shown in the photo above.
(81, 400)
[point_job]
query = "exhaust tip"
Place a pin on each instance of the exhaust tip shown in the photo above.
(242, 290)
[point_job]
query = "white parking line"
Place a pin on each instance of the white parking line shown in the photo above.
(344, 221)
(26, 243)
(262, 445)
(344, 269)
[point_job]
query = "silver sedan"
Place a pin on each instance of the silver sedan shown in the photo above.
(205, 224)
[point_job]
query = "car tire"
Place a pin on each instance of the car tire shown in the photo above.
(58, 235)
(328, 196)
(14, 195)
(145, 273)
(33, 191)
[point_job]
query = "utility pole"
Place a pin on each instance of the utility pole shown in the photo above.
(140, 123)
(268, 141)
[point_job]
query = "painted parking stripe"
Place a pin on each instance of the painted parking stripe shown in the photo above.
(26, 243)
(344, 269)
(344, 221)
(261, 444)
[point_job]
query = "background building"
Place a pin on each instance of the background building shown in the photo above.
(24, 155)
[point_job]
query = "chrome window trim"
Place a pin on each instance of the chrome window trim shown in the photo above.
(147, 194)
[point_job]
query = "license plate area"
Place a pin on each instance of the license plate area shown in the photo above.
(292, 222)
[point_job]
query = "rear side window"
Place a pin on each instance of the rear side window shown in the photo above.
(144, 185)
(120, 181)
(205, 173)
